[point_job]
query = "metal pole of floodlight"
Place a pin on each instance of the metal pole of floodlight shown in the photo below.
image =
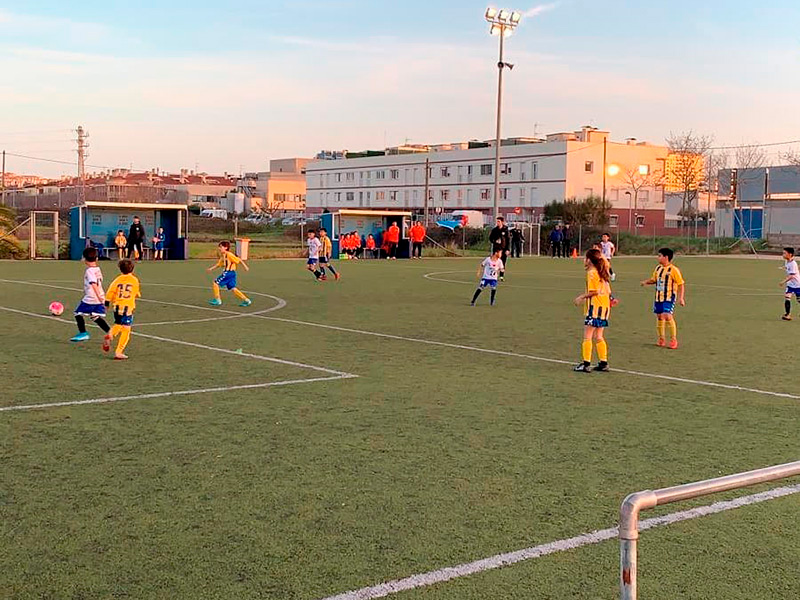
(502, 23)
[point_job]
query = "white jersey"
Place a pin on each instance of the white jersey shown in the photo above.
(313, 247)
(607, 250)
(93, 275)
(793, 272)
(492, 268)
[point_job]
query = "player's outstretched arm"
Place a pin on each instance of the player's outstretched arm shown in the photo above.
(682, 294)
(244, 264)
(648, 282)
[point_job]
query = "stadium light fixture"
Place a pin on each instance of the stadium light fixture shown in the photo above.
(502, 23)
(613, 170)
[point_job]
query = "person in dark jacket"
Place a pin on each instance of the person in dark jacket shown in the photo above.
(556, 238)
(500, 238)
(517, 239)
(566, 241)
(136, 237)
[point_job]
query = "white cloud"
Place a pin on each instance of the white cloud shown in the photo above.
(537, 10)
(25, 25)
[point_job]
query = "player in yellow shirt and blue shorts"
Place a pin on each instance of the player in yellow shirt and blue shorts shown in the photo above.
(228, 261)
(670, 288)
(122, 293)
(598, 310)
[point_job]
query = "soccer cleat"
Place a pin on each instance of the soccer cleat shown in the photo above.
(120, 357)
(661, 343)
(81, 337)
(107, 342)
(614, 301)
(247, 302)
(582, 367)
(786, 317)
(215, 302)
(673, 344)
(602, 366)
(324, 278)
(337, 277)
(613, 277)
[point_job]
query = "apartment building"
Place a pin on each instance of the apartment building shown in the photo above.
(533, 172)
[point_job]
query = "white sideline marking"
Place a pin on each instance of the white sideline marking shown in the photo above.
(339, 374)
(501, 560)
(230, 388)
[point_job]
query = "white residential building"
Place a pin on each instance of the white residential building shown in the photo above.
(533, 172)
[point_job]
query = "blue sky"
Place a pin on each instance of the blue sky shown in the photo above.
(226, 86)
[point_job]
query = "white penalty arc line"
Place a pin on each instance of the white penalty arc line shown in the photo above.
(502, 560)
(230, 388)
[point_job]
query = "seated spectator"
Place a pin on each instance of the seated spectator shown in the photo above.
(370, 245)
(121, 243)
(357, 249)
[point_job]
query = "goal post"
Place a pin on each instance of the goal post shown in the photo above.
(43, 227)
(647, 499)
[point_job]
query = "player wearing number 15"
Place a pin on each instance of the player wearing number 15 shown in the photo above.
(122, 293)
(228, 261)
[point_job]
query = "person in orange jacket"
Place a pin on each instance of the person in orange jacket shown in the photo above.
(417, 234)
(392, 240)
(370, 245)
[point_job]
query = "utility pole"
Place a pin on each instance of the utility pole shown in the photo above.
(605, 166)
(427, 182)
(3, 182)
(82, 146)
(498, 142)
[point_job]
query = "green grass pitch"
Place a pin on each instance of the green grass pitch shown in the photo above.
(434, 455)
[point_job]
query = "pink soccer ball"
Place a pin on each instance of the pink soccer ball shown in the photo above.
(56, 308)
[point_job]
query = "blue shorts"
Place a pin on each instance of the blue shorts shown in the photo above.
(490, 283)
(226, 280)
(793, 290)
(159, 245)
(123, 319)
(664, 308)
(91, 310)
(593, 322)
(312, 261)
(323, 260)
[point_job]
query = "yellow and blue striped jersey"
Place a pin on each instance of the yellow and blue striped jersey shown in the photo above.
(122, 293)
(327, 247)
(598, 306)
(667, 279)
(228, 261)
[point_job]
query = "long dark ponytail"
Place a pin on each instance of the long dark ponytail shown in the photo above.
(598, 262)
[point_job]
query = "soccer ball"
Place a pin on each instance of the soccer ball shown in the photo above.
(56, 308)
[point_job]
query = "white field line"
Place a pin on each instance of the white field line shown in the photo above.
(230, 388)
(502, 560)
(340, 374)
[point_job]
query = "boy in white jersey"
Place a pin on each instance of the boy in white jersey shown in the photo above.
(608, 250)
(492, 268)
(93, 303)
(792, 282)
(314, 246)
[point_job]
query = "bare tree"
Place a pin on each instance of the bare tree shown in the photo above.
(686, 167)
(750, 156)
(792, 157)
(636, 178)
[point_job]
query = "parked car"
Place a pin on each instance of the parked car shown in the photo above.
(214, 213)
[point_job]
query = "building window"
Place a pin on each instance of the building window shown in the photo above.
(505, 169)
(361, 175)
(380, 195)
(338, 177)
(640, 220)
(644, 170)
(522, 193)
(360, 196)
(460, 195)
(613, 220)
(369, 174)
(445, 195)
(337, 196)
(350, 196)
(350, 176)
(486, 169)
(469, 169)
(395, 173)
(588, 166)
(485, 194)
(504, 194)
(445, 171)
(535, 170)
(393, 196)
(369, 196)
(380, 174)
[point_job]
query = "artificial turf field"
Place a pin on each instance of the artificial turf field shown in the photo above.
(434, 455)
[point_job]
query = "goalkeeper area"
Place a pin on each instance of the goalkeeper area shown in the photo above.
(378, 437)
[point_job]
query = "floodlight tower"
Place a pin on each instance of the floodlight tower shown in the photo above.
(502, 23)
(82, 146)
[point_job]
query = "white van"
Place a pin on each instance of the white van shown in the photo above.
(215, 213)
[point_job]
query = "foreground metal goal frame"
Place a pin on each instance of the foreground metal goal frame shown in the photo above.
(639, 501)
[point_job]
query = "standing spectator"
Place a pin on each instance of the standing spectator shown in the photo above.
(500, 238)
(566, 242)
(417, 234)
(159, 243)
(136, 237)
(556, 237)
(392, 240)
(517, 240)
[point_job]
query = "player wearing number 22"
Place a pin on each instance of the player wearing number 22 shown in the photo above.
(122, 293)
(597, 300)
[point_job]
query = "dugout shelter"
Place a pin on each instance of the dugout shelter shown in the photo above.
(98, 223)
(365, 222)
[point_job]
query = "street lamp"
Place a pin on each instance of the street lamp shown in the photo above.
(630, 208)
(502, 23)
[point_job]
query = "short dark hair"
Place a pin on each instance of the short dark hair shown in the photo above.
(500, 219)
(321, 229)
(90, 254)
(314, 231)
(135, 216)
(126, 266)
(789, 250)
(225, 244)
(607, 234)
(667, 252)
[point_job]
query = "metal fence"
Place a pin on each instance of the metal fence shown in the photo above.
(635, 503)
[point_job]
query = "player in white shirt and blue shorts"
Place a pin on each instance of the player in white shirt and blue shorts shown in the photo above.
(792, 282)
(92, 304)
(608, 250)
(493, 269)
(314, 246)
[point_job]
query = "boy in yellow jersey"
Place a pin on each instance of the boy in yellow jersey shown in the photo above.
(670, 287)
(598, 309)
(228, 261)
(122, 293)
(325, 252)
